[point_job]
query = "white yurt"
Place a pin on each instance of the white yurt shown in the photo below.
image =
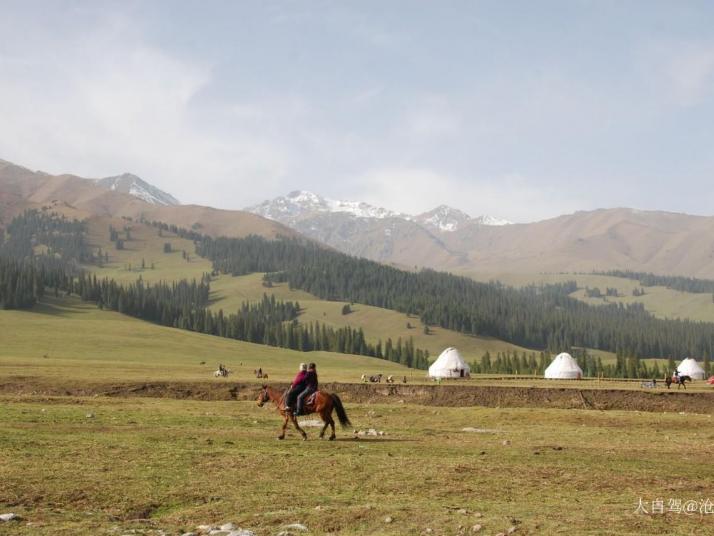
(689, 367)
(449, 364)
(564, 367)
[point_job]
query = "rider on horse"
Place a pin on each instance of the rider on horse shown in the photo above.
(310, 387)
(296, 387)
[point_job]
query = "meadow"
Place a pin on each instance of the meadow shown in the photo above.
(662, 302)
(73, 466)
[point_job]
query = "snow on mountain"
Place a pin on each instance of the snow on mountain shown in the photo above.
(133, 185)
(300, 205)
(443, 218)
(491, 220)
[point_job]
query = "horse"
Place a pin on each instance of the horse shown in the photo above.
(390, 379)
(321, 402)
(376, 379)
(679, 380)
(221, 373)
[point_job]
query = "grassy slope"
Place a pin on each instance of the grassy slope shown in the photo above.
(82, 342)
(185, 463)
(377, 323)
(230, 292)
(660, 301)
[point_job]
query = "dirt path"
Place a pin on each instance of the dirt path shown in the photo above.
(429, 395)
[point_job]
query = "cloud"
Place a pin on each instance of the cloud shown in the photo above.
(108, 102)
(511, 196)
(684, 70)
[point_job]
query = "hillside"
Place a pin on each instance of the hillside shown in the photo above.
(22, 188)
(228, 293)
(81, 342)
(661, 301)
(448, 239)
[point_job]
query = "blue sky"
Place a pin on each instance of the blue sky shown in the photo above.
(523, 110)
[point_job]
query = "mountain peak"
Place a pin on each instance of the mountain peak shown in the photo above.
(301, 204)
(128, 183)
(443, 218)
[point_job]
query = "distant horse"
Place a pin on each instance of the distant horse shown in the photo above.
(376, 379)
(221, 373)
(390, 379)
(679, 380)
(321, 402)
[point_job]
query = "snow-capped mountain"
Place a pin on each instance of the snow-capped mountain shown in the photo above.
(300, 204)
(133, 185)
(443, 218)
(377, 233)
(491, 220)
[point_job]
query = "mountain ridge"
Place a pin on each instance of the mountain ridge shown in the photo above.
(129, 183)
(302, 204)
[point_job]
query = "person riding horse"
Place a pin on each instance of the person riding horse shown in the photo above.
(296, 387)
(311, 386)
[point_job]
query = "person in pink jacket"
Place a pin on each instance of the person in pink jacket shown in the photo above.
(296, 387)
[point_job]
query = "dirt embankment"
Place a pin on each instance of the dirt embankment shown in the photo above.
(428, 395)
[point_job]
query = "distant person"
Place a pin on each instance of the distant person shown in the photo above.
(260, 373)
(296, 387)
(311, 386)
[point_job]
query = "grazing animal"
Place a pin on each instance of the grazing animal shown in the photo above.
(364, 378)
(390, 379)
(679, 380)
(376, 379)
(321, 402)
(221, 373)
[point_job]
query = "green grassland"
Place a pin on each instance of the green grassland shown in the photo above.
(660, 301)
(377, 323)
(228, 293)
(66, 338)
(75, 466)
(145, 244)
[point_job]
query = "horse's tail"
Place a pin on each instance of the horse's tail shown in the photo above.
(340, 409)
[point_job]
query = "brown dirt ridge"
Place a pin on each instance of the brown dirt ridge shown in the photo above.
(427, 395)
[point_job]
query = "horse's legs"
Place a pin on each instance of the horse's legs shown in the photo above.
(285, 425)
(332, 424)
(322, 432)
(297, 427)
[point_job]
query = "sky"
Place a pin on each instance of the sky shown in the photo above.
(518, 109)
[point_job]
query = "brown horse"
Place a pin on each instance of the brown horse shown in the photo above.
(322, 403)
(680, 380)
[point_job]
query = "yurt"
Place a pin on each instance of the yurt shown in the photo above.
(689, 367)
(449, 364)
(564, 367)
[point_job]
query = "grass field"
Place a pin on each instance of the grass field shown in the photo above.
(66, 338)
(145, 244)
(146, 465)
(377, 323)
(660, 301)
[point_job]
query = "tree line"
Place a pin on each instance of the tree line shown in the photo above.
(530, 363)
